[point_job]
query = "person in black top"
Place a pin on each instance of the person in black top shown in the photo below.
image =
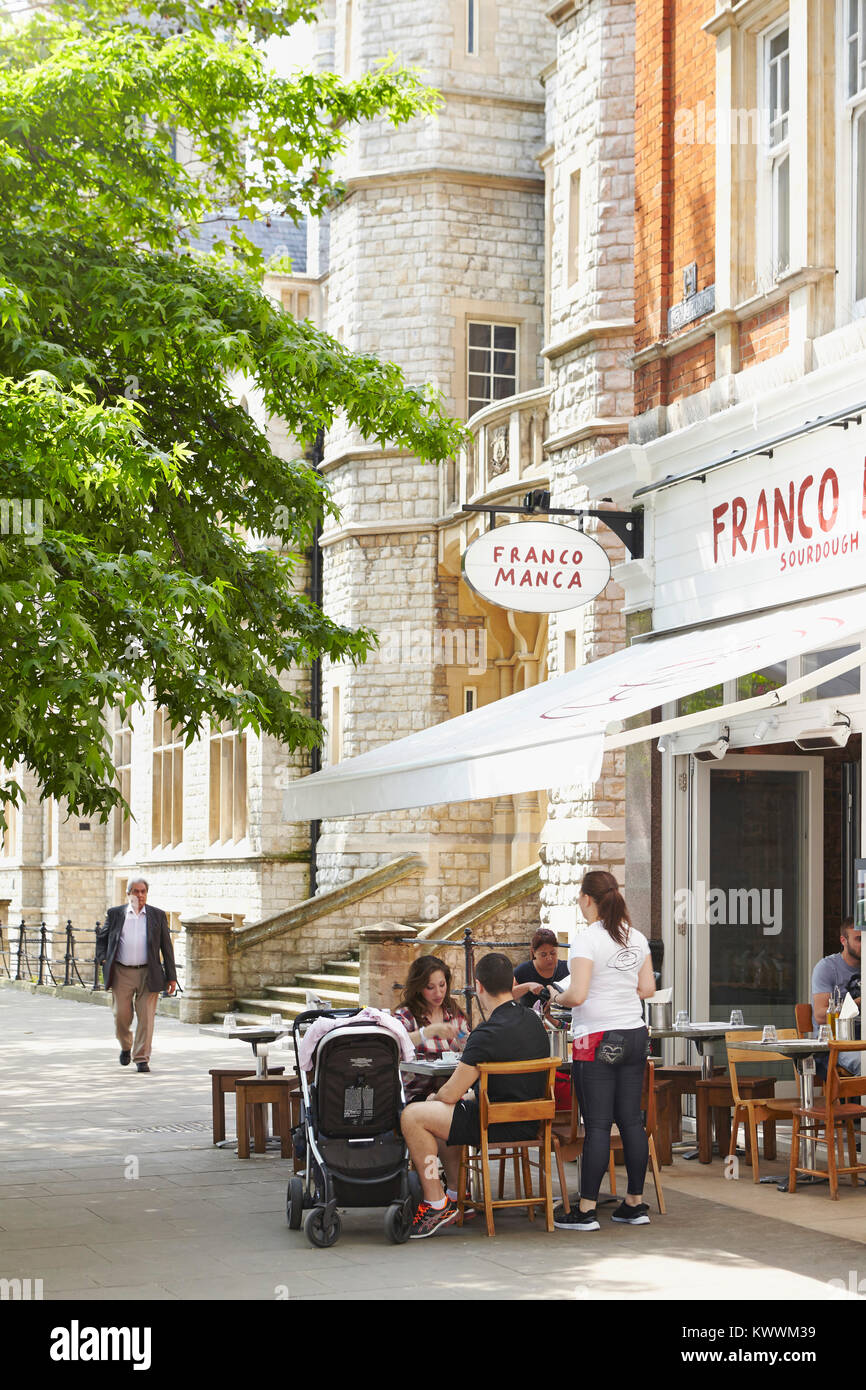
(535, 974)
(440, 1127)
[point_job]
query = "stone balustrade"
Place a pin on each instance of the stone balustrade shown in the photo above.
(506, 451)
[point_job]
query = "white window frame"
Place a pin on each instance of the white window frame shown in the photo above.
(773, 154)
(228, 786)
(492, 324)
(122, 739)
(851, 108)
(167, 763)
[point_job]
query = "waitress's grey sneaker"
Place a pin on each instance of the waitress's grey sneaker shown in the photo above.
(632, 1216)
(576, 1220)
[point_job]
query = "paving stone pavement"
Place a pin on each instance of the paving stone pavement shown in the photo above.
(110, 1189)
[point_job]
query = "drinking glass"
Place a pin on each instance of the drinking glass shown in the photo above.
(276, 1020)
(682, 1019)
(769, 1033)
(736, 1017)
(229, 1022)
(824, 1032)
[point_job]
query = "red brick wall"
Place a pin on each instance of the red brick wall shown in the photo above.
(693, 163)
(691, 370)
(674, 173)
(764, 335)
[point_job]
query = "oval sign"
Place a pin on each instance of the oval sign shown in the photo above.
(536, 567)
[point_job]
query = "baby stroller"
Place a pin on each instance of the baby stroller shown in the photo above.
(350, 1131)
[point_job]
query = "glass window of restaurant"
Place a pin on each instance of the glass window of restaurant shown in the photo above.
(759, 845)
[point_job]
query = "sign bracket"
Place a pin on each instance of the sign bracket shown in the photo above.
(627, 526)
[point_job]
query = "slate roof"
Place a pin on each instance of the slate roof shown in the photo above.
(282, 237)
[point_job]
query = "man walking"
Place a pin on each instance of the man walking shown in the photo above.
(128, 946)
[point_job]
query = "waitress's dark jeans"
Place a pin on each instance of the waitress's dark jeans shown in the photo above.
(611, 1095)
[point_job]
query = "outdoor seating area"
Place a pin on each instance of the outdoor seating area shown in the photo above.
(704, 1111)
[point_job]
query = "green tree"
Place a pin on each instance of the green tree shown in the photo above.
(116, 345)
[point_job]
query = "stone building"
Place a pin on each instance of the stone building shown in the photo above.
(488, 251)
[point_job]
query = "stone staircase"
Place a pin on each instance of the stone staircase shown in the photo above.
(338, 983)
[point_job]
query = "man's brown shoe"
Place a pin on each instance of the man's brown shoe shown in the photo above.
(142, 1066)
(125, 1058)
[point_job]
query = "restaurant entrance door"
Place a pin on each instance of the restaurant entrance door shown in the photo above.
(757, 888)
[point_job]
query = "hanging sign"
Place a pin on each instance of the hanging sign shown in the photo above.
(536, 567)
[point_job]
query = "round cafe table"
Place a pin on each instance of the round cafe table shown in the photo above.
(252, 1034)
(802, 1052)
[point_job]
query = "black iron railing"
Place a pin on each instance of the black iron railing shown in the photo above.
(468, 943)
(43, 955)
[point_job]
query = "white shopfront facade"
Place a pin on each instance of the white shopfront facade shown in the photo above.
(752, 512)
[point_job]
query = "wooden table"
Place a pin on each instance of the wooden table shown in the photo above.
(256, 1037)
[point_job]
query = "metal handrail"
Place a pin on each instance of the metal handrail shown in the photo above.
(72, 947)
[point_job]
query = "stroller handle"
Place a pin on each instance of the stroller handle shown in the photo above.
(310, 1016)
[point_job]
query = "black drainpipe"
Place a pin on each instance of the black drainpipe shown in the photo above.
(315, 455)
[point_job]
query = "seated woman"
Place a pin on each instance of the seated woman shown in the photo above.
(535, 974)
(430, 1017)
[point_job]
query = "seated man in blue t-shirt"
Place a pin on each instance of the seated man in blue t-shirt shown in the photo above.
(841, 970)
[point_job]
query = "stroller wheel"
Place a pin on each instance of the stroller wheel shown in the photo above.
(316, 1231)
(398, 1221)
(295, 1203)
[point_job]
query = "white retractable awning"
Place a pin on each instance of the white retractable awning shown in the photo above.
(554, 734)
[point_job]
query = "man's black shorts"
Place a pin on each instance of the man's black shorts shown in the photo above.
(466, 1127)
(465, 1124)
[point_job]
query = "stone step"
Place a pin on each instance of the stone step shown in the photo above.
(325, 986)
(295, 1000)
(351, 968)
(349, 984)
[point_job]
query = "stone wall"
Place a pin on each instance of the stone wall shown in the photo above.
(388, 950)
(591, 125)
(443, 220)
(307, 945)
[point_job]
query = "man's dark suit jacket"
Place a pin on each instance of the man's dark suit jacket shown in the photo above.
(158, 940)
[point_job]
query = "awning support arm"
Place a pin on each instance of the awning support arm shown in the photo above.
(773, 699)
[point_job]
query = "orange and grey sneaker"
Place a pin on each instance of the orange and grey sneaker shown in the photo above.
(428, 1220)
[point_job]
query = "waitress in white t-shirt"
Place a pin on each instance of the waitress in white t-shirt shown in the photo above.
(611, 972)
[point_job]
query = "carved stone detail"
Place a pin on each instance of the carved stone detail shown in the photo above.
(497, 451)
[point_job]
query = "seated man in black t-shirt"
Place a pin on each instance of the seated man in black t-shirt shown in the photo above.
(441, 1126)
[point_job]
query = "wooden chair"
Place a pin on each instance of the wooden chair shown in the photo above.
(756, 1110)
(223, 1084)
(571, 1137)
(832, 1117)
(477, 1164)
(252, 1095)
(803, 1020)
